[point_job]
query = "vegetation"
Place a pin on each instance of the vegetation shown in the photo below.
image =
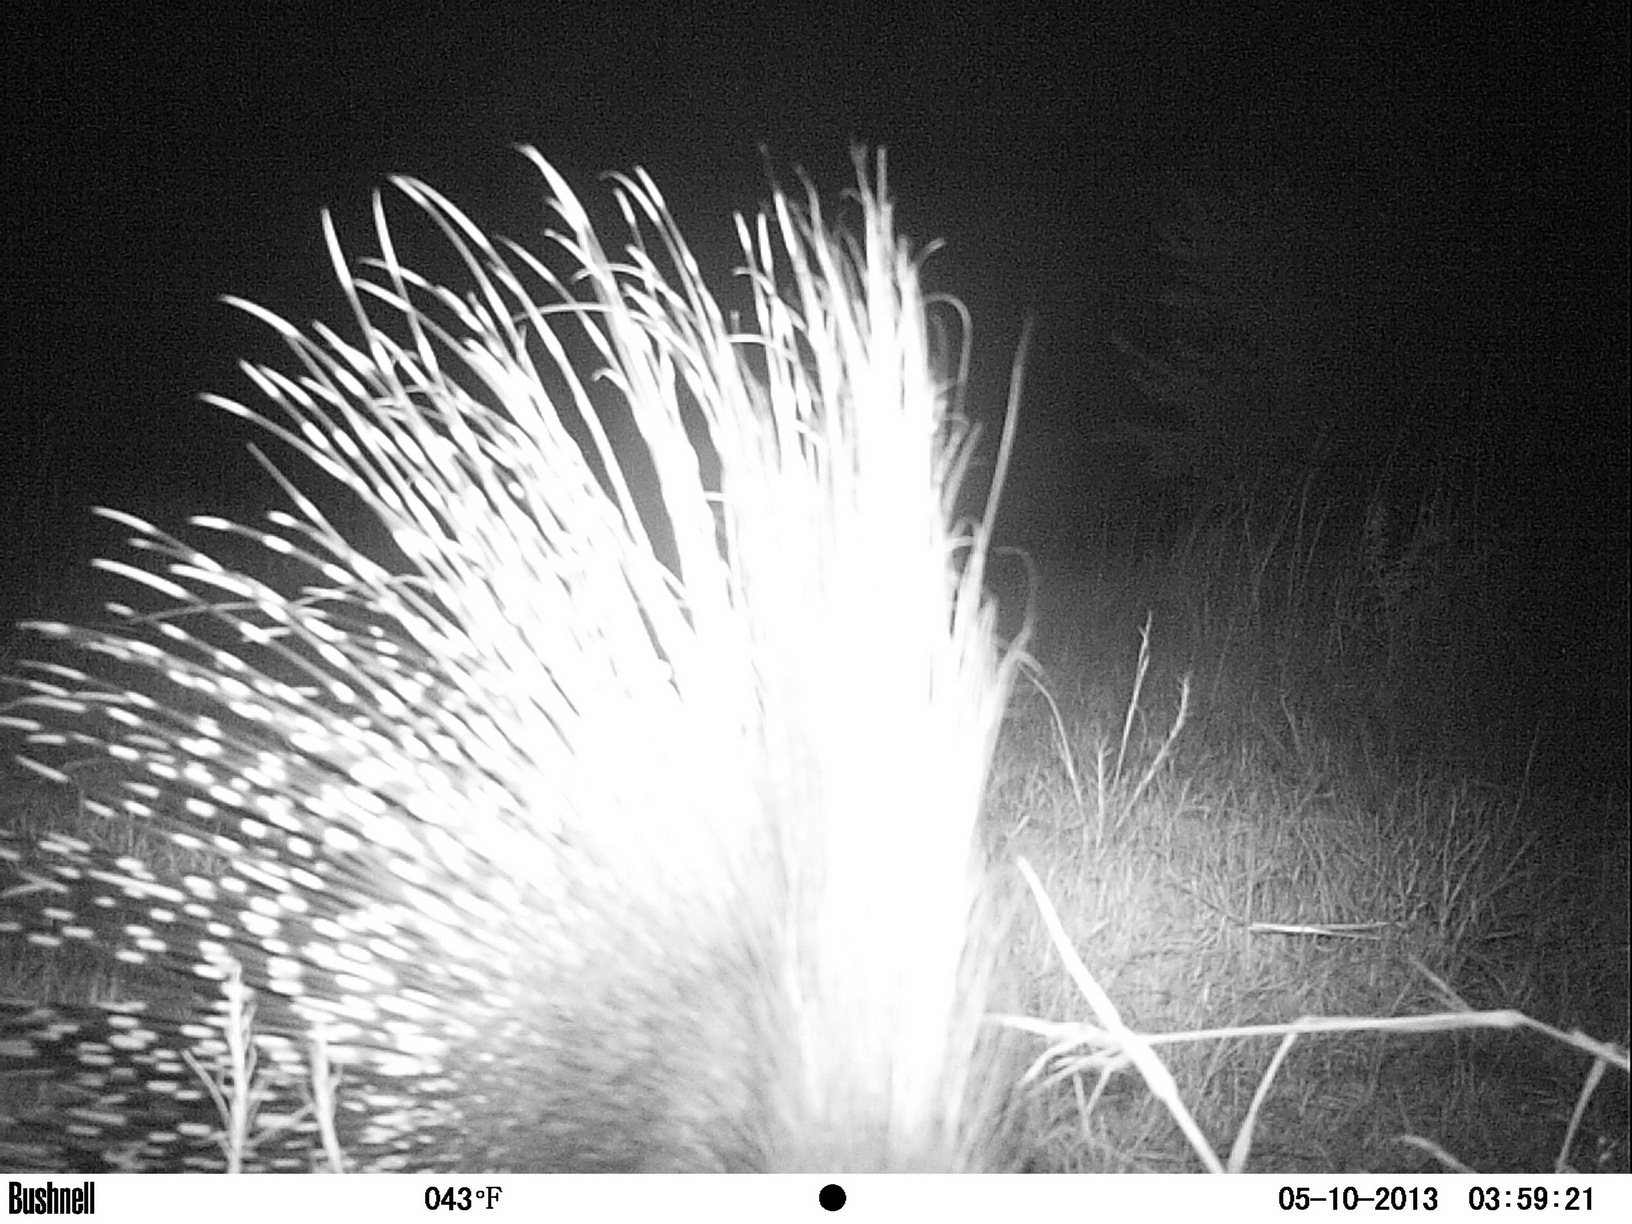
(1235, 840)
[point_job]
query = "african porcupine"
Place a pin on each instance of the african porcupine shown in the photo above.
(581, 847)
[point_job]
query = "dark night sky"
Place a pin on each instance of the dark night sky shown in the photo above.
(1445, 200)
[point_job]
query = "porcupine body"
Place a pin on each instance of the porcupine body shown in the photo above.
(618, 829)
